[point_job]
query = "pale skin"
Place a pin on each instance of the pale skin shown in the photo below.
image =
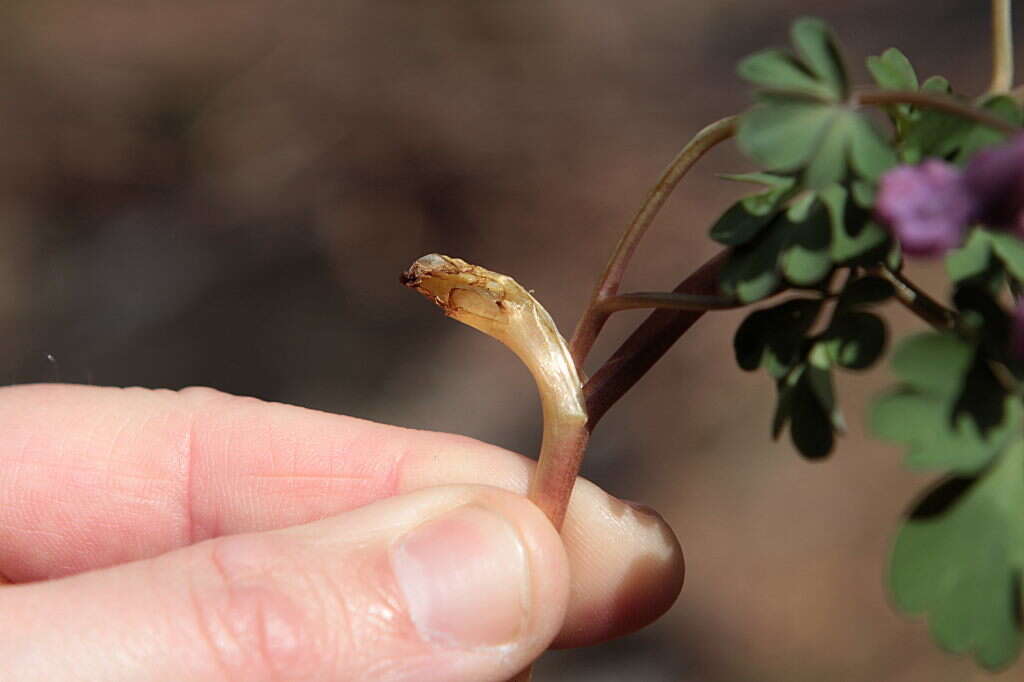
(159, 535)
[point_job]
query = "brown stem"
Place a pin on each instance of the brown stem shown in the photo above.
(648, 343)
(594, 319)
(939, 102)
(668, 300)
(917, 301)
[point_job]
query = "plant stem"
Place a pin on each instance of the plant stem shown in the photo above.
(917, 301)
(1002, 47)
(648, 343)
(940, 102)
(500, 307)
(669, 300)
(594, 319)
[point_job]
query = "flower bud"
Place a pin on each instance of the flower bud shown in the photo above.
(927, 207)
(995, 177)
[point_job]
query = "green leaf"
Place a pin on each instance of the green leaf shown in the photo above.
(782, 135)
(980, 136)
(865, 291)
(934, 133)
(745, 219)
(870, 155)
(892, 71)
(777, 71)
(971, 260)
(853, 233)
(924, 423)
(817, 48)
(738, 225)
(770, 180)
(936, 84)
(855, 340)
(863, 193)
(819, 377)
(1010, 250)
(828, 164)
(951, 410)
(932, 362)
(783, 406)
(945, 135)
(773, 337)
(752, 271)
(805, 260)
(825, 139)
(810, 424)
(800, 207)
(959, 558)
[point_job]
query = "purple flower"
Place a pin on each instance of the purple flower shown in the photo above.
(995, 177)
(927, 207)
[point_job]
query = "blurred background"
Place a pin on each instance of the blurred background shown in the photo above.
(223, 193)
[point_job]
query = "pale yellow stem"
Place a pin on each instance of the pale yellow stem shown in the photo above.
(1002, 47)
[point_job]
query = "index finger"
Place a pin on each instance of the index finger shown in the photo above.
(91, 477)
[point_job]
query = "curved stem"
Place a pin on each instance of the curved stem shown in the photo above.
(939, 102)
(500, 307)
(670, 300)
(1002, 47)
(593, 319)
(917, 301)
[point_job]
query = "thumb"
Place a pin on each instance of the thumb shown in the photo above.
(450, 583)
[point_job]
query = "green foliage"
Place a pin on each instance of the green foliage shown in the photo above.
(802, 121)
(959, 558)
(779, 340)
(892, 71)
(958, 406)
(923, 133)
(921, 412)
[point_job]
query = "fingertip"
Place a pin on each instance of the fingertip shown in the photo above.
(625, 575)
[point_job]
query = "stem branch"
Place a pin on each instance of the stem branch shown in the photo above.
(917, 301)
(1002, 47)
(594, 319)
(649, 343)
(669, 300)
(940, 102)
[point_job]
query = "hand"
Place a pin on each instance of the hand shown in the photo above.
(155, 535)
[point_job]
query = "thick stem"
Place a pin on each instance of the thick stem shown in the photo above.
(1002, 47)
(594, 319)
(917, 301)
(649, 343)
(939, 102)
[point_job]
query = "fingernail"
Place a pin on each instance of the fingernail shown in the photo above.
(465, 578)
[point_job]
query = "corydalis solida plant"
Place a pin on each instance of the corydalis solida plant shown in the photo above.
(843, 201)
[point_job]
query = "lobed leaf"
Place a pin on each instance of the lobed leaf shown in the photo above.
(892, 71)
(959, 557)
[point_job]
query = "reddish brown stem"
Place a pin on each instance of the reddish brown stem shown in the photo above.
(671, 300)
(648, 343)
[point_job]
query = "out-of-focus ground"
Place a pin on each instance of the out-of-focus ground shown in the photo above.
(224, 193)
